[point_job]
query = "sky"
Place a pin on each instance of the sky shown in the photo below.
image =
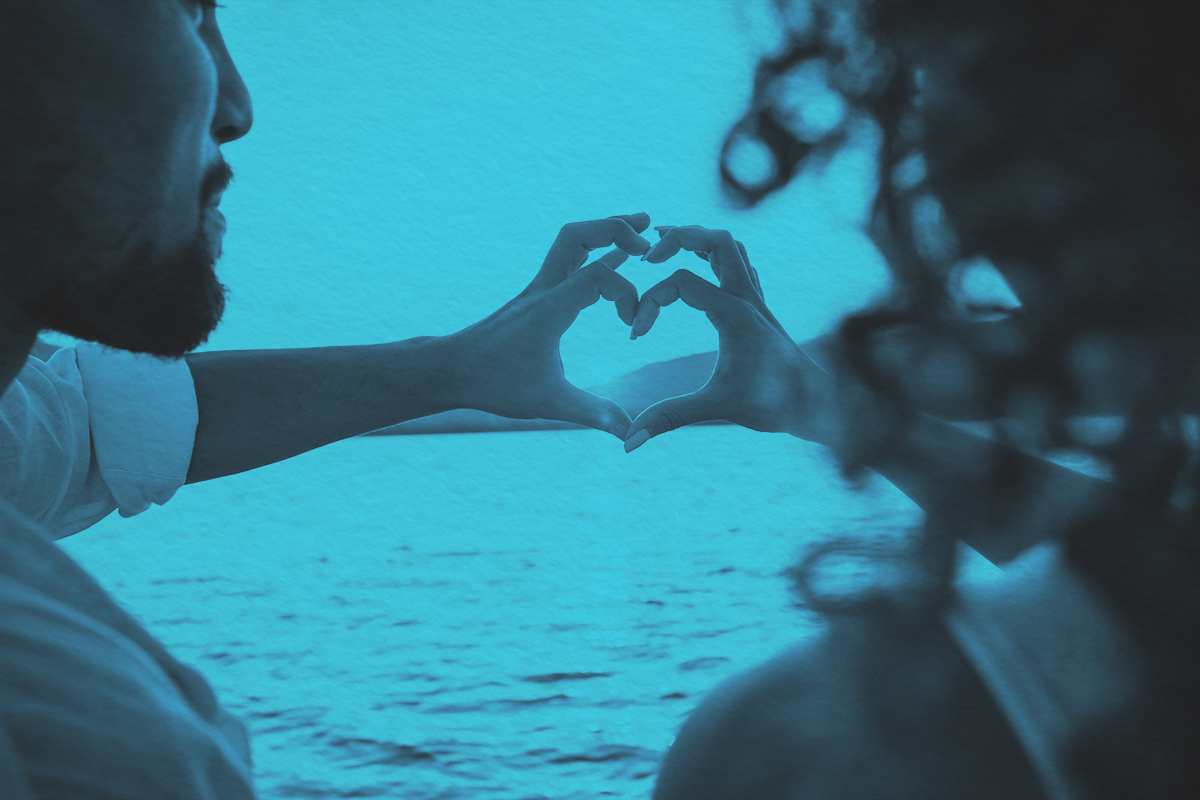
(412, 162)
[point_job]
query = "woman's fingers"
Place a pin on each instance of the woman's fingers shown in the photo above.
(736, 275)
(724, 255)
(667, 415)
(753, 272)
(691, 289)
(577, 239)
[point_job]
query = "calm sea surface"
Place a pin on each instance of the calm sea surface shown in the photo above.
(495, 616)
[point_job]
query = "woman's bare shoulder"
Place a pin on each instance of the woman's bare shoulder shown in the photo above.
(861, 710)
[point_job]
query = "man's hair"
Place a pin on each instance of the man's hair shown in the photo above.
(1061, 140)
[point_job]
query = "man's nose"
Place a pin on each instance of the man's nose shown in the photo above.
(235, 113)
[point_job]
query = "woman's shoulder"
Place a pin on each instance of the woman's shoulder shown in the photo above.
(876, 705)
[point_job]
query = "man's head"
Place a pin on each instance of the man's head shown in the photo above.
(112, 116)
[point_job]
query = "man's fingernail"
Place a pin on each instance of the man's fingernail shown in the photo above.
(637, 440)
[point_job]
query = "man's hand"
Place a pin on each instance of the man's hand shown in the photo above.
(761, 379)
(509, 363)
(258, 407)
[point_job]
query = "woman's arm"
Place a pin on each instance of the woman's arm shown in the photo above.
(764, 381)
(944, 470)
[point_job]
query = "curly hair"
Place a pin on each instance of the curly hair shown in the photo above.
(1057, 140)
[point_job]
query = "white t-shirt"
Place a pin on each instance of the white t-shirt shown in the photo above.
(92, 707)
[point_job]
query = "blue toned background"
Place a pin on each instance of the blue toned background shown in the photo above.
(491, 615)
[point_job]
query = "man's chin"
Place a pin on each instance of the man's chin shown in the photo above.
(164, 309)
(175, 345)
(168, 329)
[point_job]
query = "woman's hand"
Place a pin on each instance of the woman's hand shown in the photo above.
(509, 363)
(761, 379)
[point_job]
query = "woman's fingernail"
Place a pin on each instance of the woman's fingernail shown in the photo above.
(648, 253)
(637, 440)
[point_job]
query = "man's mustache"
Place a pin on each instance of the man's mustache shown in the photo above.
(217, 181)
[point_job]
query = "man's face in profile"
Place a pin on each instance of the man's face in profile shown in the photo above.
(113, 113)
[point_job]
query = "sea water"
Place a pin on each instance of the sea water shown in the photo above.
(501, 616)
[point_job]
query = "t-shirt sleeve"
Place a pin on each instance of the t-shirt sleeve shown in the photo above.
(143, 414)
(45, 447)
(88, 430)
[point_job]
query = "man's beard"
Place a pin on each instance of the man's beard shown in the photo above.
(162, 306)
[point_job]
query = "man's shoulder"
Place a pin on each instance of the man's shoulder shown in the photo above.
(49, 371)
(43, 350)
(18, 531)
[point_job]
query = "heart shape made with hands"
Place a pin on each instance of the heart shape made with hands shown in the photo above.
(637, 390)
(510, 363)
(758, 373)
(736, 303)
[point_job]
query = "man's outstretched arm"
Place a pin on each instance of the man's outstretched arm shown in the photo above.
(257, 407)
(261, 406)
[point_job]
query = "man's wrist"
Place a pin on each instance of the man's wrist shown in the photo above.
(429, 371)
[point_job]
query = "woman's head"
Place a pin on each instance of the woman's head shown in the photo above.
(1056, 140)
(1060, 138)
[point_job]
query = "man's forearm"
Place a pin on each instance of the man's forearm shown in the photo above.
(261, 406)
